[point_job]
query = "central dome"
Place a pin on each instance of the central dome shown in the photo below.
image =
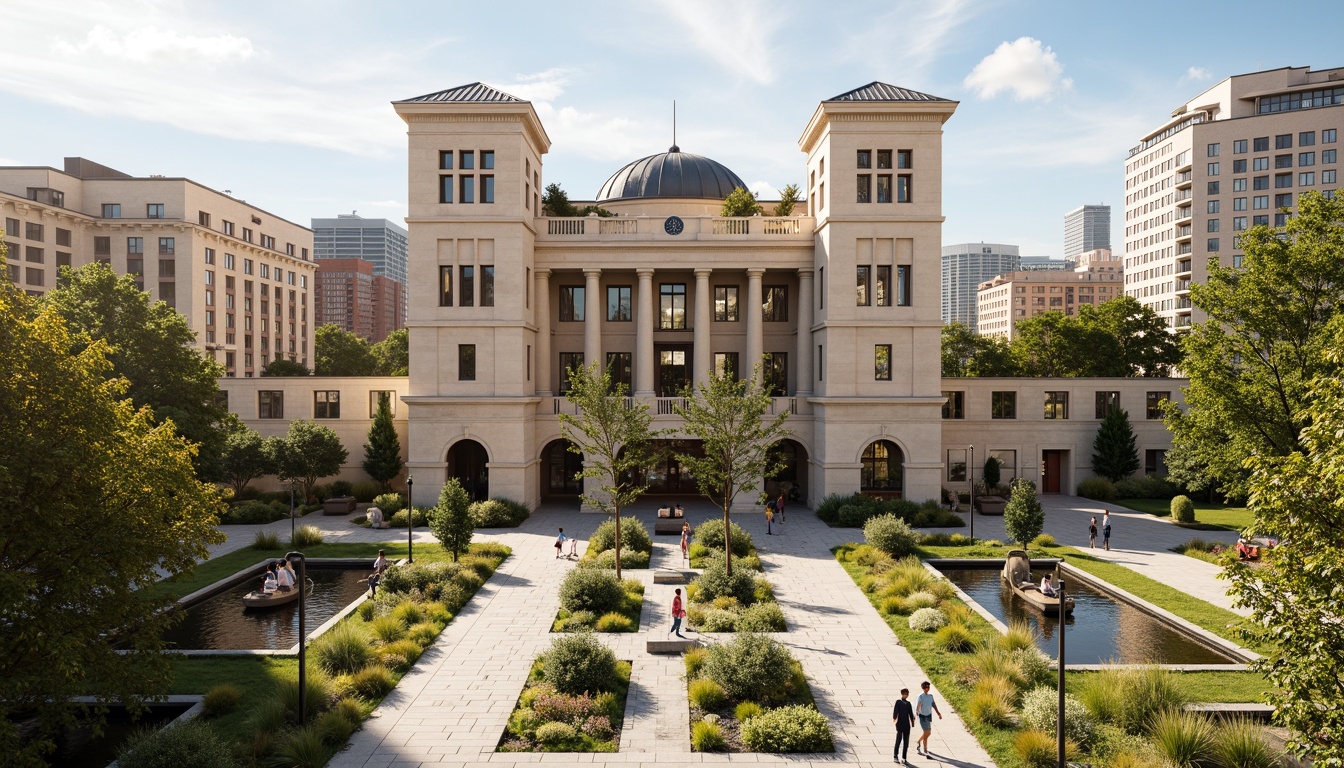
(674, 174)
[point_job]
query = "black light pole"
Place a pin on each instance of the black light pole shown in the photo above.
(292, 484)
(1059, 723)
(410, 516)
(303, 633)
(970, 470)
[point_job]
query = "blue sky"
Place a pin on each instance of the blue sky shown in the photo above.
(286, 103)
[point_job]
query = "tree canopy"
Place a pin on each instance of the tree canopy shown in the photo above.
(1023, 516)
(1115, 455)
(338, 352)
(966, 353)
(382, 453)
(246, 457)
(555, 202)
(284, 367)
(393, 354)
(99, 500)
(307, 454)
(1147, 347)
(741, 202)
(788, 199)
(1251, 363)
(450, 519)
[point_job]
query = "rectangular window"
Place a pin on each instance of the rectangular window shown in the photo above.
(466, 289)
(571, 303)
(1212, 226)
(903, 188)
(270, 404)
(672, 306)
(1284, 200)
(446, 160)
(883, 289)
(1262, 144)
(135, 245)
(884, 188)
(467, 160)
(569, 361)
(1107, 402)
(1260, 221)
(203, 218)
(1212, 245)
(1239, 147)
(487, 159)
(1238, 223)
(1213, 206)
(776, 373)
(33, 253)
(487, 189)
(154, 211)
(725, 364)
(1056, 405)
(1155, 402)
(1003, 405)
(863, 285)
(247, 234)
(618, 303)
(1238, 185)
(864, 185)
(111, 210)
(725, 303)
(903, 298)
(1260, 202)
(1328, 135)
(882, 362)
(1238, 203)
(1328, 156)
(1283, 141)
(1239, 166)
(1213, 187)
(1155, 461)
(487, 285)
(1283, 161)
(1212, 150)
(446, 187)
(884, 158)
(34, 277)
(1328, 177)
(618, 368)
(1306, 179)
(378, 396)
(445, 286)
(326, 404)
(466, 362)
(905, 158)
(865, 158)
(33, 231)
(956, 465)
(1260, 182)
(1260, 164)
(466, 189)
(775, 308)
(167, 246)
(955, 407)
(249, 267)
(1306, 159)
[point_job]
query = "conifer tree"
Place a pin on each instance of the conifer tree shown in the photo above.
(1023, 517)
(382, 454)
(1114, 454)
(450, 520)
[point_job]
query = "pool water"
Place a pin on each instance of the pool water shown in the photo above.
(221, 623)
(1101, 630)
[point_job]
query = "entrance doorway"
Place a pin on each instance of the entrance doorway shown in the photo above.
(674, 368)
(1052, 471)
(469, 463)
(559, 468)
(668, 476)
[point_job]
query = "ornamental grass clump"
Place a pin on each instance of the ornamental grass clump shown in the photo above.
(1185, 739)
(342, 650)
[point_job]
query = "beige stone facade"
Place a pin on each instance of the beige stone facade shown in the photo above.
(1011, 298)
(241, 276)
(1239, 154)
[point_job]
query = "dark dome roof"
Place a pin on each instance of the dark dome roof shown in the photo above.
(671, 174)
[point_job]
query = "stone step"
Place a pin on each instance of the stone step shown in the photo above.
(669, 646)
(673, 577)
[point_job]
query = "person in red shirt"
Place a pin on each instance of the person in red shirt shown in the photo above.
(678, 613)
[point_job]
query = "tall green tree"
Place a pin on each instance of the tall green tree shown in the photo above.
(741, 202)
(392, 354)
(382, 454)
(152, 347)
(555, 202)
(1294, 595)
(1115, 453)
(1055, 344)
(1023, 517)
(788, 200)
(966, 353)
(1251, 363)
(284, 367)
(729, 417)
(450, 519)
(615, 437)
(98, 500)
(246, 457)
(307, 454)
(338, 352)
(1147, 347)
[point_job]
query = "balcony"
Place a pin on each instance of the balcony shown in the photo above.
(1184, 194)
(1184, 233)
(653, 228)
(1184, 303)
(667, 406)
(1183, 249)
(1183, 267)
(1184, 180)
(1182, 286)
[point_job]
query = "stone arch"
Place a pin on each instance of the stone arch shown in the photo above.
(469, 462)
(558, 465)
(795, 471)
(882, 468)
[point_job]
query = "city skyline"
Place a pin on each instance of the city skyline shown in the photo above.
(1049, 105)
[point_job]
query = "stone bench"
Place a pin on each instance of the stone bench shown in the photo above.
(673, 577)
(669, 646)
(668, 526)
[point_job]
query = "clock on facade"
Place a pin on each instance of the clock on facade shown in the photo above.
(674, 225)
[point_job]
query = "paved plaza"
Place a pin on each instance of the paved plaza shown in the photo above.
(451, 709)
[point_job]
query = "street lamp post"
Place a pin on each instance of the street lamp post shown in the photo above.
(292, 488)
(410, 516)
(303, 633)
(1059, 723)
(970, 472)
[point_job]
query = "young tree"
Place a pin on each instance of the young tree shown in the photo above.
(1251, 362)
(788, 199)
(614, 436)
(967, 354)
(393, 354)
(246, 457)
(992, 474)
(554, 202)
(382, 454)
(337, 352)
(1115, 455)
(450, 520)
(729, 418)
(283, 367)
(100, 501)
(740, 202)
(1023, 517)
(1147, 347)
(309, 453)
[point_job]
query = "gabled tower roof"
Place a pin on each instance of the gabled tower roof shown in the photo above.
(876, 91)
(478, 93)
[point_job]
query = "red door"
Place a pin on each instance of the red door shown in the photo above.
(1050, 479)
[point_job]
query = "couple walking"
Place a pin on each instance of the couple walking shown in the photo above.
(904, 714)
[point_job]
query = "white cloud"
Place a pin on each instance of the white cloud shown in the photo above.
(763, 190)
(1198, 73)
(735, 34)
(540, 86)
(153, 44)
(925, 30)
(1026, 67)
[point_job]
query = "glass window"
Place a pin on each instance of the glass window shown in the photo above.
(1213, 187)
(326, 404)
(154, 211)
(466, 160)
(1212, 226)
(618, 368)
(466, 289)
(466, 189)
(466, 362)
(446, 186)
(1328, 135)
(1239, 147)
(1212, 245)
(955, 407)
(1328, 177)
(487, 159)
(905, 158)
(1328, 155)
(1239, 166)
(1238, 185)
(884, 158)
(1260, 221)
(1213, 206)
(569, 361)
(1283, 161)
(864, 185)
(882, 362)
(956, 465)
(725, 303)
(1106, 402)
(446, 160)
(1003, 405)
(1260, 163)
(1238, 203)
(1213, 169)
(1260, 182)
(903, 188)
(111, 210)
(1212, 150)
(882, 467)
(1283, 141)
(618, 303)
(1283, 201)
(776, 373)
(487, 189)
(487, 285)
(1260, 202)
(270, 404)
(1056, 405)
(775, 307)
(864, 158)
(1306, 139)
(883, 291)
(725, 364)
(571, 303)
(445, 286)
(903, 285)
(884, 188)
(672, 306)
(377, 396)
(1262, 144)
(1154, 403)
(1283, 181)
(863, 285)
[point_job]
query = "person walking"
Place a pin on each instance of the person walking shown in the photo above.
(574, 546)
(559, 543)
(1092, 534)
(925, 707)
(779, 507)
(769, 518)
(686, 542)
(678, 613)
(903, 715)
(1106, 530)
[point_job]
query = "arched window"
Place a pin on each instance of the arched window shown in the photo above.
(883, 465)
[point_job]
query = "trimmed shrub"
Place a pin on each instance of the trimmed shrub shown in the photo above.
(591, 589)
(956, 638)
(707, 694)
(265, 540)
(551, 734)
(253, 513)
(498, 513)
(1039, 749)
(614, 622)
(746, 710)
(717, 620)
(855, 515)
(710, 535)
(341, 650)
(633, 536)
(372, 682)
(418, 518)
(751, 666)
(189, 745)
(1183, 509)
(788, 730)
(1043, 541)
(891, 535)
(578, 664)
(715, 582)
(1040, 710)
(706, 737)
(1240, 743)
(1146, 487)
(1184, 738)
(390, 503)
(761, 617)
(927, 620)
(1097, 489)
(221, 700)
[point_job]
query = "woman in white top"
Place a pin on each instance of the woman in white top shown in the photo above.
(284, 576)
(1048, 587)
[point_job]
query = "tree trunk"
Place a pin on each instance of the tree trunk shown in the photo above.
(727, 530)
(618, 543)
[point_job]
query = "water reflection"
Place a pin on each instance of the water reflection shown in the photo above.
(1101, 629)
(220, 623)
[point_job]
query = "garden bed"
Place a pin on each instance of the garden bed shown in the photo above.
(574, 700)
(593, 599)
(742, 602)
(636, 546)
(852, 511)
(750, 695)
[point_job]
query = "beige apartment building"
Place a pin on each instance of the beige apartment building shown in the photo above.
(241, 276)
(1008, 299)
(1236, 155)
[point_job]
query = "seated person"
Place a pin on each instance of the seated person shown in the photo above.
(678, 511)
(269, 584)
(1246, 550)
(664, 512)
(1048, 587)
(283, 577)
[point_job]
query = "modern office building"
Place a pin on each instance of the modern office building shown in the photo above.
(1086, 228)
(240, 275)
(380, 242)
(351, 296)
(965, 266)
(1044, 264)
(1008, 299)
(1236, 155)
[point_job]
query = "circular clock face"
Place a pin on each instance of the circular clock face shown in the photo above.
(674, 225)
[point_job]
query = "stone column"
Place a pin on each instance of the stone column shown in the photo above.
(804, 351)
(755, 333)
(541, 279)
(592, 319)
(644, 334)
(704, 356)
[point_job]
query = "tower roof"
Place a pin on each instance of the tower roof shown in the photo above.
(876, 91)
(469, 93)
(671, 174)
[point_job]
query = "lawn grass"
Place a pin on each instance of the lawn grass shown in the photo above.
(1204, 687)
(1209, 516)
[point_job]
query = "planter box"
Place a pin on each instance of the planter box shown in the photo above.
(990, 505)
(341, 505)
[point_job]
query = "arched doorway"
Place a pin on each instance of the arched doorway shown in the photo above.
(469, 463)
(792, 477)
(883, 471)
(559, 465)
